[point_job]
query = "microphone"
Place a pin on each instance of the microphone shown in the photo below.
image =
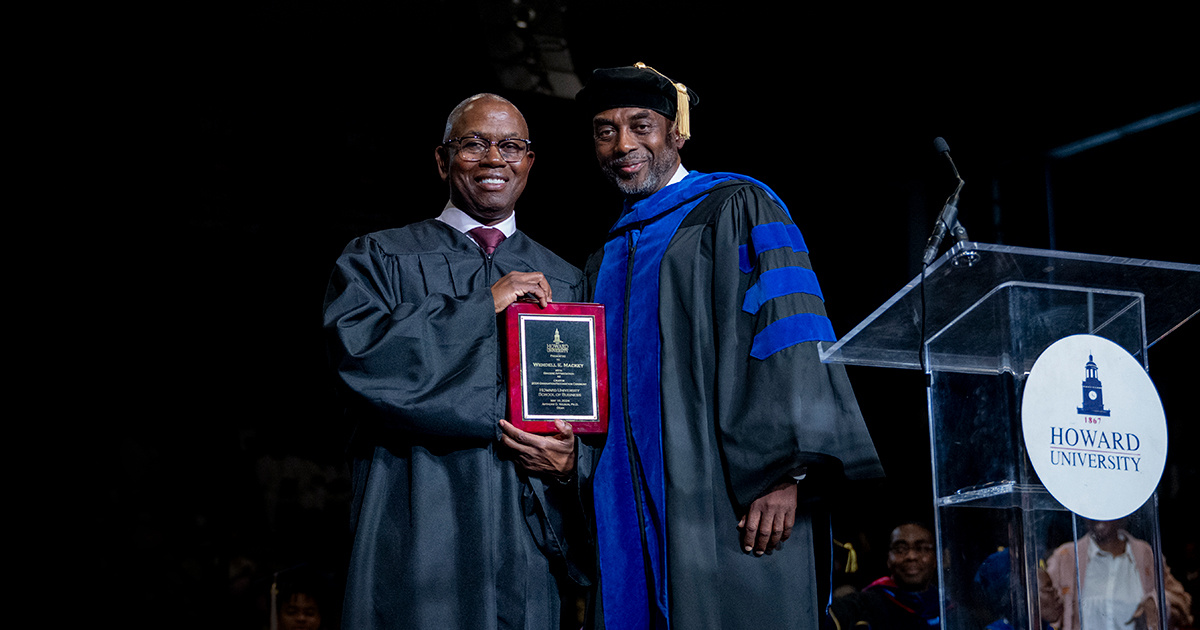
(948, 219)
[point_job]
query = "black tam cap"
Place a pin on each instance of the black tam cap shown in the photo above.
(639, 85)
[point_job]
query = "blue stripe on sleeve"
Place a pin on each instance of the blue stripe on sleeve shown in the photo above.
(782, 281)
(770, 236)
(789, 331)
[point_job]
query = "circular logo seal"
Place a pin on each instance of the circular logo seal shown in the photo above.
(1094, 427)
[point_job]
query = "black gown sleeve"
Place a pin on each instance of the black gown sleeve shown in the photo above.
(415, 350)
(782, 412)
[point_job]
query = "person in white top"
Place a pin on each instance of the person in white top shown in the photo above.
(1116, 576)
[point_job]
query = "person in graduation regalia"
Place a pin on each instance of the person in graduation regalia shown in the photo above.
(725, 427)
(459, 519)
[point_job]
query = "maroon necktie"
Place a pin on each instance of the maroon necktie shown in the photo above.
(488, 238)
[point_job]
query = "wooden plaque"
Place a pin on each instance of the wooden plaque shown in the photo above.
(557, 366)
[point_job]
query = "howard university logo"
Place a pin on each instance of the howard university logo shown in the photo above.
(1095, 468)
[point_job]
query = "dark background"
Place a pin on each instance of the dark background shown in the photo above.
(293, 127)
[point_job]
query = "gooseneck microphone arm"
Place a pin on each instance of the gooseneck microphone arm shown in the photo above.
(947, 220)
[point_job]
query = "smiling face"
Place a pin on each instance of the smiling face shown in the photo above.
(910, 557)
(486, 190)
(638, 149)
(300, 612)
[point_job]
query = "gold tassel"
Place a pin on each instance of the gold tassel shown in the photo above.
(683, 119)
(851, 557)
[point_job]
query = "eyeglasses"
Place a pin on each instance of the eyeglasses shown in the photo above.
(902, 548)
(473, 148)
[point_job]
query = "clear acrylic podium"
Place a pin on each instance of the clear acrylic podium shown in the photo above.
(985, 325)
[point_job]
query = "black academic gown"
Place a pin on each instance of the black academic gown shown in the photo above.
(741, 409)
(448, 531)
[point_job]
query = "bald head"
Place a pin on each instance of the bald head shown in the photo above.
(458, 110)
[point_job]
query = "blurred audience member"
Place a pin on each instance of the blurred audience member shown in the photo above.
(298, 598)
(905, 599)
(1116, 575)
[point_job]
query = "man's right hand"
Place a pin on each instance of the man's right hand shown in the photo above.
(770, 519)
(517, 284)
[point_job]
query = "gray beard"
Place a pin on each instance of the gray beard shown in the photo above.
(656, 178)
(629, 189)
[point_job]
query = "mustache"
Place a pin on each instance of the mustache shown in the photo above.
(626, 160)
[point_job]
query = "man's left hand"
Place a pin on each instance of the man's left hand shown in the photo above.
(770, 519)
(550, 454)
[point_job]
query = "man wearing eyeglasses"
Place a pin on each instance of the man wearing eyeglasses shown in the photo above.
(460, 520)
(907, 598)
(725, 428)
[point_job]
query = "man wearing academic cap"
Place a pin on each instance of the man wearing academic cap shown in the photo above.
(726, 429)
(459, 519)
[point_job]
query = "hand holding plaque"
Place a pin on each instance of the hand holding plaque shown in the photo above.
(542, 454)
(517, 286)
(557, 367)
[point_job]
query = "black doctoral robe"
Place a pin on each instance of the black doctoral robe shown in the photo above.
(448, 531)
(713, 316)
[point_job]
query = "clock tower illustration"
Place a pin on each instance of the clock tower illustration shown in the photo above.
(1093, 395)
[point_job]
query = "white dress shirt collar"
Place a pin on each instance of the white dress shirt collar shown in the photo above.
(680, 173)
(460, 221)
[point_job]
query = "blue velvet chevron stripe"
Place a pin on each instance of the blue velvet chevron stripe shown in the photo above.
(789, 331)
(770, 236)
(775, 283)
